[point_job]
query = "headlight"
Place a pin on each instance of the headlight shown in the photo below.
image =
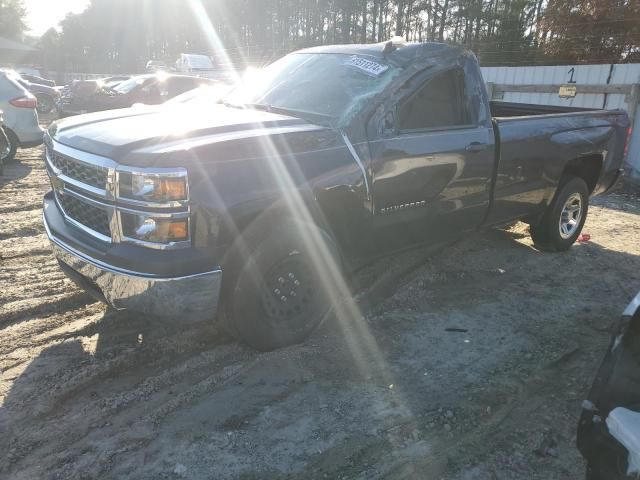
(152, 206)
(154, 187)
(155, 229)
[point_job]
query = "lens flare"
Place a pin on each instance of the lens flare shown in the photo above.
(362, 345)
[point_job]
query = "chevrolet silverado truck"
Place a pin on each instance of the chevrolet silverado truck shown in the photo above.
(256, 208)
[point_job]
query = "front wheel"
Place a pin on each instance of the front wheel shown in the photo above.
(279, 292)
(562, 223)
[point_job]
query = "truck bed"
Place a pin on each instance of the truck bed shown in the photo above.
(537, 142)
(501, 109)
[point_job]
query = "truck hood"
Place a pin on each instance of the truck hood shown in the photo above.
(117, 133)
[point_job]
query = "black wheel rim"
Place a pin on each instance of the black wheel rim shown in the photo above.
(289, 289)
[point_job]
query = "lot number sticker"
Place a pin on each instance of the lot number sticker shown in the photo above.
(368, 67)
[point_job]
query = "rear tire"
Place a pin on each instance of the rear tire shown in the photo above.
(562, 223)
(13, 146)
(274, 295)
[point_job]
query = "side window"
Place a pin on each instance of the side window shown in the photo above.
(440, 103)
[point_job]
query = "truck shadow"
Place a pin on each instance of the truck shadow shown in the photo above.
(13, 171)
(623, 201)
(124, 368)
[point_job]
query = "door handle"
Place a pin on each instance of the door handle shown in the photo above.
(475, 147)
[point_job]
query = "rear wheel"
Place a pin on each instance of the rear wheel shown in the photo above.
(277, 294)
(10, 154)
(562, 223)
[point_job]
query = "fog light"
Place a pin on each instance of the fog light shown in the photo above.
(149, 227)
(154, 229)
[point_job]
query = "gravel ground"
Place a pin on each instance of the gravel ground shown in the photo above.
(468, 364)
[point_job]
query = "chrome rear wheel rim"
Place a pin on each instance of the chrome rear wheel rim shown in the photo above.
(570, 216)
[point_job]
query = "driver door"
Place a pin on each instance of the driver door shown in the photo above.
(431, 172)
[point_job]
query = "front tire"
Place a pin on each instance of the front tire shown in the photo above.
(279, 292)
(562, 223)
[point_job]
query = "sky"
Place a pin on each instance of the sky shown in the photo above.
(44, 14)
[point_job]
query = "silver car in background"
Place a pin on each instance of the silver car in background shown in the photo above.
(20, 116)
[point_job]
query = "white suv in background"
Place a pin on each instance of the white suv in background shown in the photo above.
(20, 115)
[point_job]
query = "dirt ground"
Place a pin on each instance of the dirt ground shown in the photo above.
(470, 363)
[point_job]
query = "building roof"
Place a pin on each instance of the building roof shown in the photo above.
(6, 44)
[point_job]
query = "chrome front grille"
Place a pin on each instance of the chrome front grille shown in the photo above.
(83, 188)
(91, 216)
(93, 175)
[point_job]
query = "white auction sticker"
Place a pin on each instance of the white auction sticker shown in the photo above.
(367, 66)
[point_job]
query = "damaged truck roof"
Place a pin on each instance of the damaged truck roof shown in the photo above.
(402, 55)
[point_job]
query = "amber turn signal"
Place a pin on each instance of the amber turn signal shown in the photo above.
(171, 189)
(178, 230)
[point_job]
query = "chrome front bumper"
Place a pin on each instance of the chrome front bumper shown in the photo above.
(193, 296)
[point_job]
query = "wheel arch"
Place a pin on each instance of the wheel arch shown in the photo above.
(259, 225)
(9, 132)
(588, 167)
(267, 213)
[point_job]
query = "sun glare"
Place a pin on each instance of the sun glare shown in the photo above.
(45, 14)
(353, 326)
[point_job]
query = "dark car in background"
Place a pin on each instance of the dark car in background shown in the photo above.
(47, 96)
(38, 80)
(77, 95)
(114, 80)
(609, 428)
(144, 89)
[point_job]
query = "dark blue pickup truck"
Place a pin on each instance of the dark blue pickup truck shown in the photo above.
(256, 208)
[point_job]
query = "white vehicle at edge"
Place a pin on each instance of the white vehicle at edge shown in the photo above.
(195, 64)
